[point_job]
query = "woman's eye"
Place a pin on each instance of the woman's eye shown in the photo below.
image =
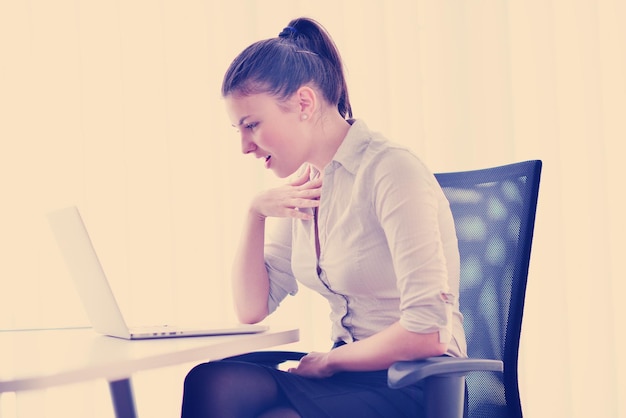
(251, 125)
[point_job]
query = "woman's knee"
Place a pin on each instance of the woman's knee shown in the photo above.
(199, 375)
(216, 375)
(231, 381)
(227, 389)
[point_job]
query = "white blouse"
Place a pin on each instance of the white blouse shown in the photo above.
(388, 248)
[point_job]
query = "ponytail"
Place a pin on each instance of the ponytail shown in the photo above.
(302, 53)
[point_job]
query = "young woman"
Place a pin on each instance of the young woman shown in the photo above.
(363, 222)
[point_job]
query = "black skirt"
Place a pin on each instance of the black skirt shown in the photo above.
(345, 394)
(350, 394)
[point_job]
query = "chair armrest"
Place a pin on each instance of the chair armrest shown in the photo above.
(268, 358)
(404, 373)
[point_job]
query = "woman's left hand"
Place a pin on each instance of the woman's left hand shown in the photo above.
(313, 365)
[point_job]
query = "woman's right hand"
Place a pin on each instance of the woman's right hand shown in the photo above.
(285, 201)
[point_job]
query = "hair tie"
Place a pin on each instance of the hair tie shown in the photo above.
(287, 32)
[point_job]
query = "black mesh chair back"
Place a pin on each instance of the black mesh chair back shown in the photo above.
(494, 212)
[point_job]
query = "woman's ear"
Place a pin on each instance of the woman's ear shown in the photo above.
(307, 102)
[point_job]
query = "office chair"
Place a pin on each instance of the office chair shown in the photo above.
(494, 213)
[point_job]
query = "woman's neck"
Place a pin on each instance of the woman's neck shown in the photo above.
(331, 130)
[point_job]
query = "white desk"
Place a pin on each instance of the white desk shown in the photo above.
(44, 358)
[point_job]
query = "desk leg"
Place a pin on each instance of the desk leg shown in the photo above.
(122, 396)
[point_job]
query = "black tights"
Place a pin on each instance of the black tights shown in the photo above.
(233, 390)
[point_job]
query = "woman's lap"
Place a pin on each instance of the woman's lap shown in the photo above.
(362, 394)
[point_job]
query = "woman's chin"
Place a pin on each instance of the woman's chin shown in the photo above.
(282, 172)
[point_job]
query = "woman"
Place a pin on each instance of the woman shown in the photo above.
(364, 223)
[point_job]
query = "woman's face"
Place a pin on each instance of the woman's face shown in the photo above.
(270, 130)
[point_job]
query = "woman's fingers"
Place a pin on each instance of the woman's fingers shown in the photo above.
(286, 201)
(287, 207)
(302, 178)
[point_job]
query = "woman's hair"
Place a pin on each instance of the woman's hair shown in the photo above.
(302, 53)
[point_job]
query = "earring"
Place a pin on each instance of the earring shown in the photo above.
(304, 116)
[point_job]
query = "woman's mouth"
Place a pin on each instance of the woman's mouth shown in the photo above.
(267, 161)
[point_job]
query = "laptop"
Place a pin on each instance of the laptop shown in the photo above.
(95, 292)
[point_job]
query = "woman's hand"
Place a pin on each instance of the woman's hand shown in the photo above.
(314, 365)
(284, 201)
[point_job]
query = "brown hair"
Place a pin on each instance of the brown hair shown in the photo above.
(302, 53)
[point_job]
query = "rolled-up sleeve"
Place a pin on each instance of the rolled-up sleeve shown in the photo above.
(408, 203)
(278, 262)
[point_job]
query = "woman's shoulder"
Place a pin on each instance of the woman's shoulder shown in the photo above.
(378, 143)
(377, 156)
(383, 153)
(386, 162)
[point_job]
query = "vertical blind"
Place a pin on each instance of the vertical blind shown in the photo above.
(115, 107)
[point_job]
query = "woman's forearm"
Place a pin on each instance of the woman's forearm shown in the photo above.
(381, 350)
(377, 352)
(250, 280)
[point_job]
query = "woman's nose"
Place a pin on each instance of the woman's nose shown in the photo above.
(247, 146)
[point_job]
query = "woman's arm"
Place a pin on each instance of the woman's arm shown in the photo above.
(250, 279)
(250, 282)
(377, 352)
